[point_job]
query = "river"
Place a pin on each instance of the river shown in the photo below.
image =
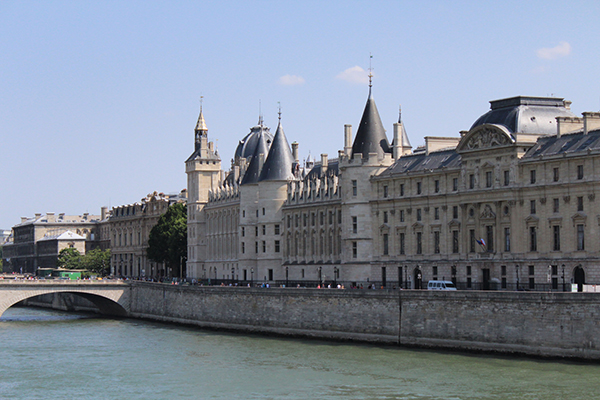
(55, 355)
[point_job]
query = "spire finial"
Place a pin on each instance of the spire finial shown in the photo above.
(279, 112)
(201, 97)
(260, 117)
(400, 113)
(370, 71)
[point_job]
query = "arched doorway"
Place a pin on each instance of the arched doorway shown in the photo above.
(418, 278)
(579, 277)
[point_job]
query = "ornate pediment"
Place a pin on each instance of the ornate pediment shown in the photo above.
(484, 137)
(487, 213)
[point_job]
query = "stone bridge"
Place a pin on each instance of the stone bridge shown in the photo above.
(111, 297)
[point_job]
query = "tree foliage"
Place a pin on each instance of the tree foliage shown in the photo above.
(168, 238)
(69, 258)
(97, 261)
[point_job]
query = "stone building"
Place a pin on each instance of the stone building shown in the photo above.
(126, 232)
(37, 241)
(509, 203)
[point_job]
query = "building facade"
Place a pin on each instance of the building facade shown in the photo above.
(508, 204)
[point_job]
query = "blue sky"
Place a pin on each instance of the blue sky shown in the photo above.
(99, 99)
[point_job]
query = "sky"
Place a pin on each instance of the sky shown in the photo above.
(99, 99)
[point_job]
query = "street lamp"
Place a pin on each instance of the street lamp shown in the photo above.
(335, 273)
(286, 277)
(251, 276)
(517, 268)
(232, 274)
(406, 276)
(563, 278)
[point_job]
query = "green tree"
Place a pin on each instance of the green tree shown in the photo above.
(70, 258)
(97, 261)
(168, 238)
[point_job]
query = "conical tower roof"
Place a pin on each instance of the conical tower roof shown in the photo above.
(201, 124)
(253, 172)
(370, 137)
(278, 166)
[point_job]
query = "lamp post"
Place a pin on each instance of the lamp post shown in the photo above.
(517, 268)
(251, 276)
(286, 277)
(335, 272)
(406, 276)
(232, 274)
(563, 278)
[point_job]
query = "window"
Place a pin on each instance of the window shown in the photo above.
(580, 172)
(471, 181)
(580, 203)
(270, 271)
(289, 221)
(455, 212)
(532, 238)
(339, 213)
(436, 185)
(468, 276)
(488, 179)
(436, 242)
(257, 213)
(434, 271)
(276, 229)
(418, 187)
(472, 241)
(243, 248)
(506, 239)
(418, 214)
(489, 230)
(401, 215)
(436, 213)
(277, 246)
(555, 174)
(531, 277)
(454, 184)
(256, 247)
(263, 211)
(556, 237)
(455, 241)
(419, 243)
(532, 206)
(304, 220)
(256, 231)
(556, 205)
(506, 177)
(264, 246)
(532, 176)
(385, 244)
(354, 187)
(385, 217)
(402, 189)
(243, 213)
(243, 231)
(264, 229)
(402, 250)
(354, 224)
(321, 218)
(580, 238)
(385, 191)
(354, 250)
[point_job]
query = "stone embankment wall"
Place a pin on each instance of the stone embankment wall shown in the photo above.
(534, 323)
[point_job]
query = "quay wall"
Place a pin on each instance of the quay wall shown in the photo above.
(533, 323)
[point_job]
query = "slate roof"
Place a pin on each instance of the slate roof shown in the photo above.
(253, 172)
(279, 162)
(333, 169)
(525, 114)
(565, 144)
(424, 162)
(370, 136)
(248, 144)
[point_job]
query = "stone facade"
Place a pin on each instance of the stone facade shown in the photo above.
(509, 204)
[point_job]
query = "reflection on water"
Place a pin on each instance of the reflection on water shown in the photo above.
(60, 355)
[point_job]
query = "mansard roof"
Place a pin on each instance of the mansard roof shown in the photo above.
(279, 162)
(248, 144)
(370, 136)
(317, 170)
(565, 144)
(253, 172)
(526, 114)
(421, 162)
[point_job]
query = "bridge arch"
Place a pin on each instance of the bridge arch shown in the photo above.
(109, 299)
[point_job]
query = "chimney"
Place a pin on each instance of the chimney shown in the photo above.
(50, 216)
(103, 212)
(37, 215)
(348, 139)
(23, 219)
(324, 163)
(397, 150)
(236, 173)
(295, 151)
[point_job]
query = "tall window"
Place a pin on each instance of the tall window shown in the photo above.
(436, 213)
(489, 230)
(455, 241)
(556, 205)
(580, 172)
(454, 184)
(580, 203)
(385, 244)
(418, 214)
(354, 224)
(354, 187)
(532, 177)
(472, 240)
(277, 246)
(418, 187)
(385, 217)
(488, 179)
(531, 277)
(455, 212)
(506, 239)
(471, 181)
(436, 186)
(506, 177)
(532, 206)
(532, 238)
(354, 250)
(385, 191)
(402, 249)
(401, 215)
(402, 189)
(556, 237)
(419, 243)
(580, 237)
(276, 229)
(436, 242)
(555, 174)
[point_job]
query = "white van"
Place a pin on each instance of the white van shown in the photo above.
(440, 285)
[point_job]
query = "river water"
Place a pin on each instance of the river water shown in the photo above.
(55, 355)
